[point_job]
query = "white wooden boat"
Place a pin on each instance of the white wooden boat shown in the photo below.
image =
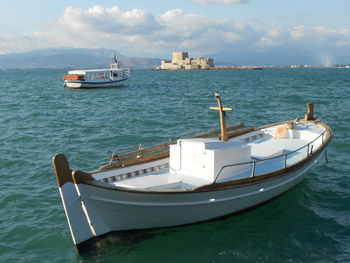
(114, 76)
(197, 179)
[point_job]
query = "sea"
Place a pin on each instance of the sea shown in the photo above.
(39, 118)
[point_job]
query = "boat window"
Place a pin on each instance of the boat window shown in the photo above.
(97, 75)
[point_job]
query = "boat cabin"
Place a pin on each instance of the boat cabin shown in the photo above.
(97, 74)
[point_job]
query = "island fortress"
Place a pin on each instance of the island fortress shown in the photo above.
(180, 61)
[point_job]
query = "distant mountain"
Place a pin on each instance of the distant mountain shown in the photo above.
(71, 58)
(140, 62)
(75, 58)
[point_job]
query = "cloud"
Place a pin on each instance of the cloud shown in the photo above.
(176, 23)
(305, 36)
(272, 37)
(108, 20)
(204, 2)
(144, 33)
(298, 32)
(199, 33)
(136, 32)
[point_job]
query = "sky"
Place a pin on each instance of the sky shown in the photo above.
(145, 28)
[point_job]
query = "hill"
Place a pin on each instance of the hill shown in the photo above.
(71, 58)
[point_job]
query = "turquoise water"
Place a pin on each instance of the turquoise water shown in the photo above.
(38, 118)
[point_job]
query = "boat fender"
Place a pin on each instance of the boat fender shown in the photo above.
(281, 132)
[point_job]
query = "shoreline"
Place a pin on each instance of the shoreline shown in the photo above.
(212, 68)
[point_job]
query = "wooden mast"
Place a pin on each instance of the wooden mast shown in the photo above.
(221, 110)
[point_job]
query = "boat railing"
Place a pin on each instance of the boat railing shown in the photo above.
(283, 158)
(159, 149)
(138, 150)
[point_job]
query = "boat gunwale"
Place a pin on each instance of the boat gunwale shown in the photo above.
(221, 185)
(217, 186)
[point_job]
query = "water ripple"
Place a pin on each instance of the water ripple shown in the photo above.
(38, 118)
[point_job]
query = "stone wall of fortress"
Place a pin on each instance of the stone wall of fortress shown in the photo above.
(181, 61)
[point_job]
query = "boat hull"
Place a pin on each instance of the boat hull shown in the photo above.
(94, 84)
(115, 210)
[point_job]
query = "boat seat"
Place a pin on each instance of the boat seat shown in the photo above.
(265, 150)
(153, 181)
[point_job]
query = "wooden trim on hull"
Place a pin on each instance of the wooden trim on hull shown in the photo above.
(62, 170)
(64, 174)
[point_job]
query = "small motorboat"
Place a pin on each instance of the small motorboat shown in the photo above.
(190, 180)
(114, 76)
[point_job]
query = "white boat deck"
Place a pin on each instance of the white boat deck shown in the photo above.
(163, 180)
(261, 152)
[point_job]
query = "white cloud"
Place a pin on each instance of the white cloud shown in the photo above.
(108, 20)
(177, 23)
(298, 32)
(272, 37)
(305, 37)
(138, 33)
